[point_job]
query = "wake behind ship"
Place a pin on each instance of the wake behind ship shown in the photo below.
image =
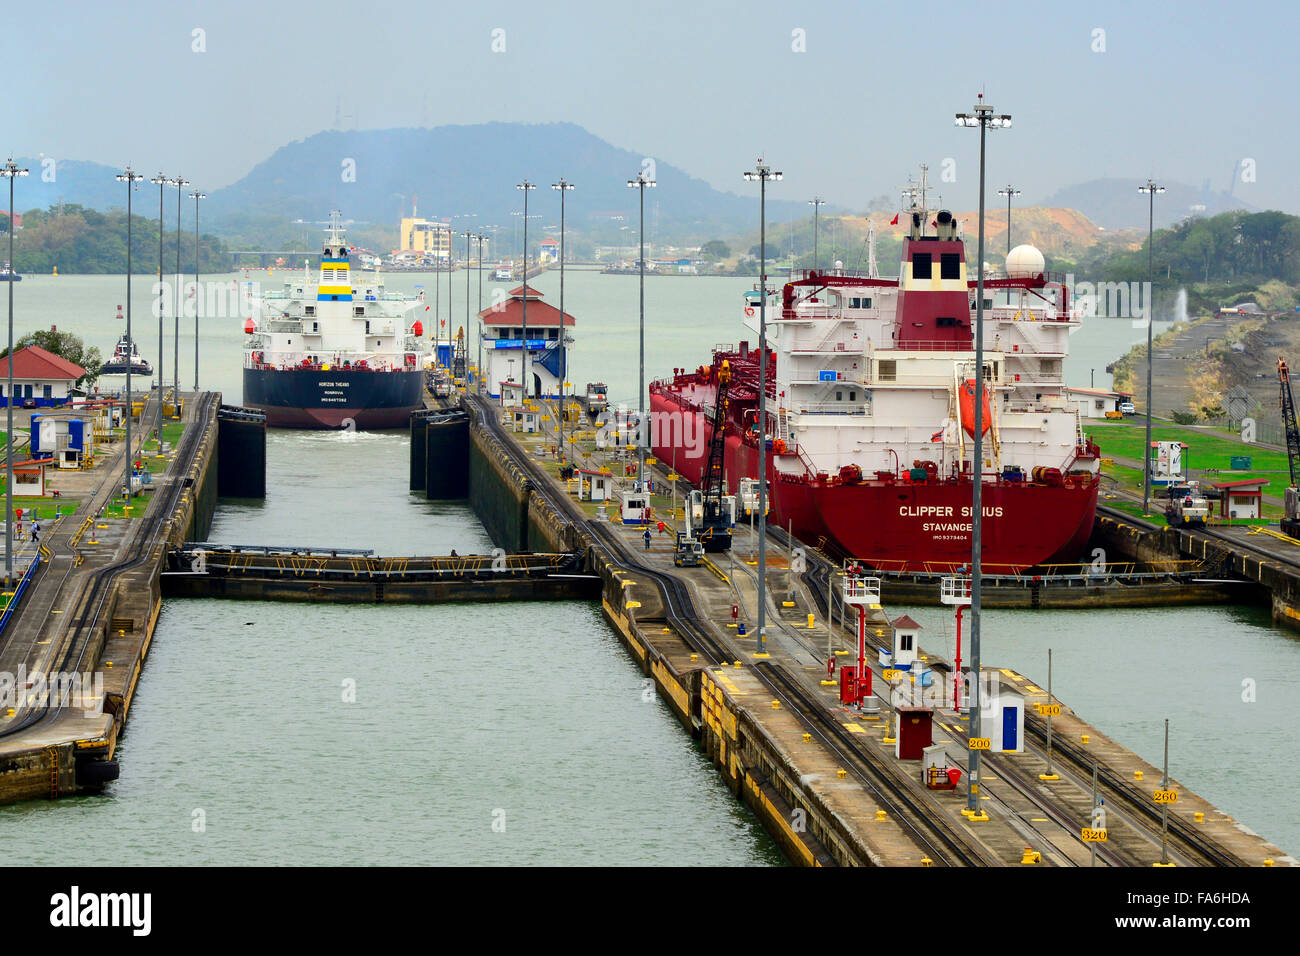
(323, 354)
(870, 405)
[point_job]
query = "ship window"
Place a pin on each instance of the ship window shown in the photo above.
(839, 396)
(358, 310)
(945, 322)
(310, 310)
(949, 265)
(367, 326)
(315, 326)
(853, 396)
(888, 370)
(921, 265)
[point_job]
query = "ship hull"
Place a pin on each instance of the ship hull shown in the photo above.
(900, 526)
(335, 398)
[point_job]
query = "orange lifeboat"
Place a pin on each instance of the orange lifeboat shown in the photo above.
(966, 400)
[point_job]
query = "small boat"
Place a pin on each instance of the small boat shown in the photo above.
(125, 355)
(8, 275)
(502, 274)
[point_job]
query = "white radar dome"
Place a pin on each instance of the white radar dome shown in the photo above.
(1025, 262)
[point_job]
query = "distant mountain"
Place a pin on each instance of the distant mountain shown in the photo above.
(51, 181)
(1116, 203)
(374, 177)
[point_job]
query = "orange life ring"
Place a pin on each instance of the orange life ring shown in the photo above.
(749, 310)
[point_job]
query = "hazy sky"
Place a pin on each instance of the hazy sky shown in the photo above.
(1182, 91)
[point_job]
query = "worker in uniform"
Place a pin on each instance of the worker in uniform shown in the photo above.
(646, 536)
(36, 532)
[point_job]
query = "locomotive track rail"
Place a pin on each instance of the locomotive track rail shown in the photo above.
(88, 613)
(934, 835)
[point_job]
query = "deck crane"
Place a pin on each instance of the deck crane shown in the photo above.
(710, 515)
(1291, 520)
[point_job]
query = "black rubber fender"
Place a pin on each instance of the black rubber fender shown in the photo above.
(96, 773)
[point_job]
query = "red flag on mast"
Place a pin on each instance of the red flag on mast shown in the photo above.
(894, 221)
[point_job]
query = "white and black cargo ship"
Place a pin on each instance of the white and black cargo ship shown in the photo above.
(328, 354)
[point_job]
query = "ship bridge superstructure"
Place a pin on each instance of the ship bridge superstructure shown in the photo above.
(333, 321)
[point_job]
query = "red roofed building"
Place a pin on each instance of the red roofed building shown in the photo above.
(1241, 499)
(503, 332)
(43, 377)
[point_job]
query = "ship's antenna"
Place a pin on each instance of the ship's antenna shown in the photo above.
(335, 217)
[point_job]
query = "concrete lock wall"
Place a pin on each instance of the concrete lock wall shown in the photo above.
(498, 492)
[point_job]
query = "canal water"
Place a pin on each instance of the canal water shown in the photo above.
(402, 735)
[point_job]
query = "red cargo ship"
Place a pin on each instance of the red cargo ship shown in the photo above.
(870, 412)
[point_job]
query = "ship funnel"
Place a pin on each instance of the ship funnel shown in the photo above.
(945, 225)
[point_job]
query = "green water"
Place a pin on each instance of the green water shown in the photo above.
(535, 710)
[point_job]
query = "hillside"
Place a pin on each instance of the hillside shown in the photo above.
(470, 172)
(1117, 204)
(1062, 235)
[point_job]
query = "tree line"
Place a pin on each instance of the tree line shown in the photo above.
(74, 239)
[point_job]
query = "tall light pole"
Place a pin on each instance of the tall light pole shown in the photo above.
(762, 172)
(160, 181)
(130, 177)
(983, 117)
(1009, 191)
(196, 196)
(563, 186)
(10, 171)
(816, 202)
(1150, 189)
(641, 183)
(527, 187)
(178, 182)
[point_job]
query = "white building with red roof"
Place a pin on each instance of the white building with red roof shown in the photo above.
(502, 331)
(40, 377)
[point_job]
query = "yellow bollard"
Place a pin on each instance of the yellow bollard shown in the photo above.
(1137, 774)
(841, 774)
(1198, 816)
(1268, 862)
(1084, 738)
(810, 621)
(926, 861)
(776, 705)
(807, 738)
(1031, 856)
(881, 815)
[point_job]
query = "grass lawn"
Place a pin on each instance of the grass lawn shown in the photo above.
(44, 507)
(1205, 450)
(114, 509)
(171, 435)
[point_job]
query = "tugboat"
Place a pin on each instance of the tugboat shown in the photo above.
(331, 354)
(8, 275)
(125, 355)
